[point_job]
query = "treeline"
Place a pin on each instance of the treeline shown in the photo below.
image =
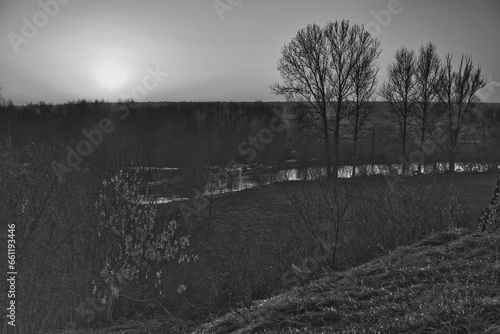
(145, 134)
(193, 135)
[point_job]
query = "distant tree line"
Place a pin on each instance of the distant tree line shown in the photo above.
(171, 134)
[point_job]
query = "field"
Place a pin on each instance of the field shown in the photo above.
(246, 247)
(269, 203)
(445, 283)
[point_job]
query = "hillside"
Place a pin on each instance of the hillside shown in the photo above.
(447, 283)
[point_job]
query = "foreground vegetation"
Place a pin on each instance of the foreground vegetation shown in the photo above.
(248, 247)
(446, 283)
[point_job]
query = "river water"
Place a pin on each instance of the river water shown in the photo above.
(246, 177)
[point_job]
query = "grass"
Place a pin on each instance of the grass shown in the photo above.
(447, 283)
(268, 204)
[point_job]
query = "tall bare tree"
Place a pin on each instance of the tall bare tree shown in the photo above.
(347, 45)
(400, 90)
(456, 91)
(317, 67)
(304, 68)
(426, 76)
(364, 80)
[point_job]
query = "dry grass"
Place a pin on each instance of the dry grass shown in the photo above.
(447, 283)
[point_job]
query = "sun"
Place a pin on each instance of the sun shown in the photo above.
(111, 74)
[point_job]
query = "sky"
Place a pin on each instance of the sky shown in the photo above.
(211, 50)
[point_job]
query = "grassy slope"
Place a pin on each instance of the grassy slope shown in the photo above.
(449, 282)
(254, 209)
(424, 284)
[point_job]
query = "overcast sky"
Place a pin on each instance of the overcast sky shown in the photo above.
(87, 49)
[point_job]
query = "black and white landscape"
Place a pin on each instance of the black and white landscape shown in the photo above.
(250, 166)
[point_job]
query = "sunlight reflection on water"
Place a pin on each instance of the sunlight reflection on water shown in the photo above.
(241, 178)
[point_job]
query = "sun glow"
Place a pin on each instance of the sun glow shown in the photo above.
(111, 74)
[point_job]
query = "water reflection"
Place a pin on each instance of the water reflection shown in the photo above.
(242, 178)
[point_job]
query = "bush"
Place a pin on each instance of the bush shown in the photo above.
(385, 218)
(80, 245)
(351, 221)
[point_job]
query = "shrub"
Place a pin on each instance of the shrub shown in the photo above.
(138, 241)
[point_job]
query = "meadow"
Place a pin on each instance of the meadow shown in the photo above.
(443, 281)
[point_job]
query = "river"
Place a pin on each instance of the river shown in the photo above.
(246, 177)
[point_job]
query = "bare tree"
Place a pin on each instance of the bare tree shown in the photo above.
(347, 46)
(364, 80)
(400, 90)
(325, 211)
(456, 91)
(316, 67)
(304, 69)
(426, 76)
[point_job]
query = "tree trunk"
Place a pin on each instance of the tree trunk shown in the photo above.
(451, 168)
(422, 138)
(337, 139)
(327, 148)
(451, 160)
(373, 149)
(355, 156)
(336, 161)
(404, 149)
